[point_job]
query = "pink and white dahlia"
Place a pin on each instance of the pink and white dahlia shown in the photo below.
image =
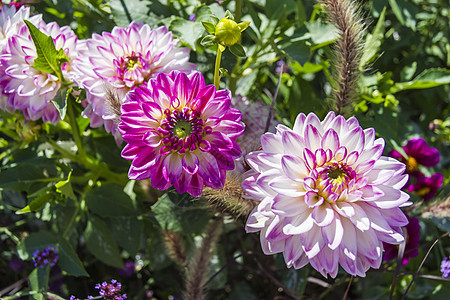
(122, 60)
(327, 195)
(180, 132)
(10, 22)
(27, 88)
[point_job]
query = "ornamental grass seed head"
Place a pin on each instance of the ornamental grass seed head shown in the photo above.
(122, 60)
(180, 132)
(327, 195)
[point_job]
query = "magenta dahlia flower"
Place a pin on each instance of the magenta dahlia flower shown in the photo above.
(327, 195)
(419, 153)
(122, 60)
(27, 88)
(180, 132)
(426, 187)
(412, 243)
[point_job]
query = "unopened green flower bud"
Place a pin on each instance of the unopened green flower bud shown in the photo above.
(228, 32)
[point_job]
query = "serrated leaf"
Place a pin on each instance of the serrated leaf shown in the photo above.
(68, 260)
(208, 41)
(60, 101)
(110, 200)
(238, 50)
(101, 243)
(47, 55)
(36, 204)
(210, 27)
(373, 41)
(39, 278)
(19, 177)
(64, 187)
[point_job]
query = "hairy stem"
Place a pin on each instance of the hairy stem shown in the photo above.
(197, 269)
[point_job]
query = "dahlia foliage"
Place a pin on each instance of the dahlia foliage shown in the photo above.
(180, 132)
(327, 195)
(27, 88)
(122, 60)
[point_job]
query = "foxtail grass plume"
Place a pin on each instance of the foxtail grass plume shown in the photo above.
(326, 195)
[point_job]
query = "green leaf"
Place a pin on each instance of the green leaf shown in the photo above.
(110, 200)
(427, 79)
(373, 41)
(128, 232)
(64, 187)
(37, 203)
(39, 278)
(183, 217)
(299, 51)
(60, 101)
(36, 240)
(274, 8)
(322, 34)
(208, 41)
(189, 32)
(210, 27)
(238, 50)
(101, 244)
(68, 259)
(47, 55)
(125, 11)
(19, 177)
(405, 12)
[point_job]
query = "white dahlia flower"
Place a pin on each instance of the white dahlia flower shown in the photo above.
(327, 195)
(10, 22)
(122, 60)
(27, 88)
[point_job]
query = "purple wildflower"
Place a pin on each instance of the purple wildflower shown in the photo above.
(48, 255)
(419, 153)
(180, 132)
(445, 267)
(426, 187)
(412, 243)
(282, 67)
(129, 270)
(111, 290)
(192, 17)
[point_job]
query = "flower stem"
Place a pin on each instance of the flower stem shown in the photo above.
(217, 67)
(73, 124)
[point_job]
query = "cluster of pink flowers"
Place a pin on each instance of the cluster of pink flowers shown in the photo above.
(418, 153)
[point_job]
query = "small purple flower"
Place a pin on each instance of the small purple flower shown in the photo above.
(192, 17)
(129, 270)
(419, 153)
(110, 290)
(426, 187)
(445, 267)
(48, 255)
(180, 132)
(282, 67)
(412, 243)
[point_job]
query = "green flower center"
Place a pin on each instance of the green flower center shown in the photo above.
(182, 129)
